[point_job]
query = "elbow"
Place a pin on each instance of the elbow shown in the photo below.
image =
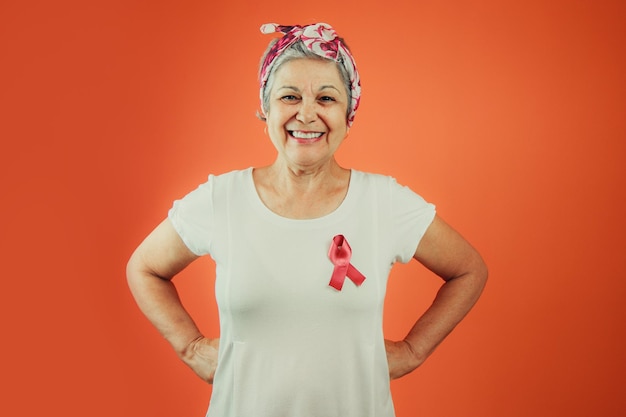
(481, 268)
(475, 276)
(484, 275)
(132, 273)
(135, 274)
(481, 274)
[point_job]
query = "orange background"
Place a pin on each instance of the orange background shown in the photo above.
(510, 116)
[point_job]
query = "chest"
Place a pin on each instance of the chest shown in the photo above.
(302, 206)
(278, 282)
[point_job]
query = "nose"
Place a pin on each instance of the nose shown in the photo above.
(307, 111)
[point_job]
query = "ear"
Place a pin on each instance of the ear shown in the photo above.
(260, 114)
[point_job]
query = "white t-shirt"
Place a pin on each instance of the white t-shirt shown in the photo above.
(290, 344)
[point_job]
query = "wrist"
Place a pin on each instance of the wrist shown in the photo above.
(416, 355)
(185, 349)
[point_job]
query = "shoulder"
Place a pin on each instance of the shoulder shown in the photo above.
(388, 188)
(222, 181)
(235, 175)
(370, 179)
(215, 185)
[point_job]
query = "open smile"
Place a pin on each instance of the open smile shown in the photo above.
(297, 134)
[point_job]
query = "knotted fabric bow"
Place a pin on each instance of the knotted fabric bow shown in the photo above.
(340, 254)
(322, 40)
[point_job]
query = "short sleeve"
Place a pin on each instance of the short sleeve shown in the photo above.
(412, 215)
(192, 218)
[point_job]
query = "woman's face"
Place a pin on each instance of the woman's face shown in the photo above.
(306, 120)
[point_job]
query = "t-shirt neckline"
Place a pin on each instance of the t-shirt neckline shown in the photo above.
(266, 212)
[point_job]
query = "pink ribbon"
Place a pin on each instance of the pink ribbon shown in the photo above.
(340, 254)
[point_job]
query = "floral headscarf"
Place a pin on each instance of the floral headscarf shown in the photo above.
(322, 40)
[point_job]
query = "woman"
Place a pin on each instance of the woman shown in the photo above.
(303, 248)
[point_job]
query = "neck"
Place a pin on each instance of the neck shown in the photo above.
(305, 179)
(300, 194)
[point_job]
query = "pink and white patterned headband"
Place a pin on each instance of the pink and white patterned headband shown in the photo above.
(322, 40)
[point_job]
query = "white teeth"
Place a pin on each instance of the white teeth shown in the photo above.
(306, 135)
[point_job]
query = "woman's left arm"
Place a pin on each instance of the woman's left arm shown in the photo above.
(445, 252)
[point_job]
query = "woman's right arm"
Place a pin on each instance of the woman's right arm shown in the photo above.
(149, 273)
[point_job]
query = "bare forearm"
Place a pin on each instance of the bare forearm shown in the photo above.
(150, 270)
(446, 253)
(453, 301)
(159, 301)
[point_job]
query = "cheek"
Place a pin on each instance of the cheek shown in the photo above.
(271, 119)
(279, 114)
(336, 120)
(275, 124)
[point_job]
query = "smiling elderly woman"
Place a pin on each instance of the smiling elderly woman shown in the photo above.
(303, 249)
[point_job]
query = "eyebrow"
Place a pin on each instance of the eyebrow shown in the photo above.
(296, 89)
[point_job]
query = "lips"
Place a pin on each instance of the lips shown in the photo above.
(305, 135)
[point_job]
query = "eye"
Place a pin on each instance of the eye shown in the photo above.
(327, 98)
(289, 98)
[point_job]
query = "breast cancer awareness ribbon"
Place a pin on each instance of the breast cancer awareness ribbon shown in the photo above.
(340, 254)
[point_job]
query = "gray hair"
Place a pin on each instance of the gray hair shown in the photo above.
(298, 51)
